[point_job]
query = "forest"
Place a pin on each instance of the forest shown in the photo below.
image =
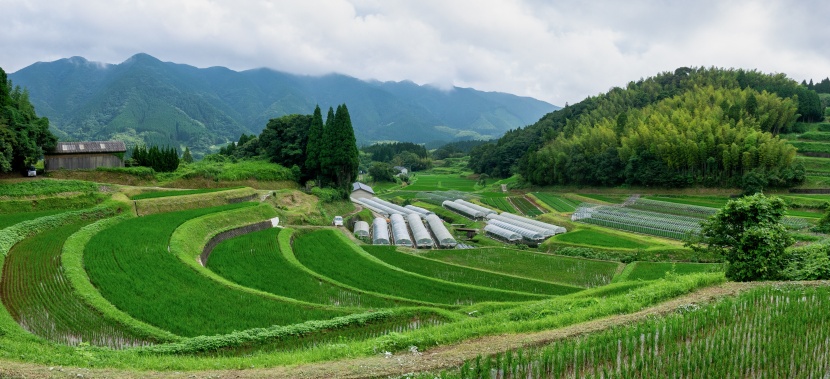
(693, 126)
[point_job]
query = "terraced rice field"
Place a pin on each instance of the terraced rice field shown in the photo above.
(133, 269)
(10, 219)
(461, 274)
(328, 253)
(35, 290)
(499, 203)
(170, 193)
(255, 260)
(539, 266)
(598, 238)
(658, 270)
(559, 203)
(441, 182)
(525, 206)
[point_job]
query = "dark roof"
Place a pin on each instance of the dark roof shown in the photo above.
(360, 186)
(90, 147)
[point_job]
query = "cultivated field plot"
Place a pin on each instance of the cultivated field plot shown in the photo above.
(441, 182)
(743, 335)
(658, 270)
(35, 290)
(678, 209)
(328, 253)
(255, 260)
(461, 274)
(45, 187)
(598, 238)
(10, 219)
(539, 266)
(438, 197)
(559, 203)
(499, 203)
(133, 269)
(525, 206)
(811, 147)
(653, 223)
(157, 194)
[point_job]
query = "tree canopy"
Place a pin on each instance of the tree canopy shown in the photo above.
(24, 137)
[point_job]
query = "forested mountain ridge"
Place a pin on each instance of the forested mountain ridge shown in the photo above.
(144, 100)
(700, 126)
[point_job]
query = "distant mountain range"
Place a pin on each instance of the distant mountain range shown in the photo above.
(145, 100)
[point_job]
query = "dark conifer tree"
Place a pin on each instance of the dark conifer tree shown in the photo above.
(314, 145)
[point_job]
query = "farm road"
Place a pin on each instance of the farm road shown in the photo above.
(401, 363)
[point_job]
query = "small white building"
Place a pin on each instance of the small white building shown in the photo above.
(362, 191)
(401, 170)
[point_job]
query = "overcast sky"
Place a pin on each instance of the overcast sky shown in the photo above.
(557, 51)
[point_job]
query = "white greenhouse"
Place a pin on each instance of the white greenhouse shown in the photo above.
(555, 229)
(477, 207)
(423, 212)
(442, 235)
(400, 231)
(462, 210)
(419, 231)
(502, 233)
(375, 207)
(395, 207)
(526, 233)
(545, 232)
(361, 229)
(380, 232)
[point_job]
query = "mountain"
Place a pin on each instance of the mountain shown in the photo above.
(145, 100)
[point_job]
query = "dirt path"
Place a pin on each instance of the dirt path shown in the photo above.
(398, 364)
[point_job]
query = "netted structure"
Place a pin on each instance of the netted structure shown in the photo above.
(361, 229)
(553, 228)
(477, 207)
(419, 231)
(442, 236)
(526, 233)
(438, 197)
(545, 232)
(463, 210)
(380, 232)
(399, 231)
(501, 233)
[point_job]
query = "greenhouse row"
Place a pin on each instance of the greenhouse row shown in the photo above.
(401, 228)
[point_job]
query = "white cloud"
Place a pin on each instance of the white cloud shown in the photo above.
(556, 51)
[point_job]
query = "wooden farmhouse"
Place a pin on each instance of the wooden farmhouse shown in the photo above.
(86, 155)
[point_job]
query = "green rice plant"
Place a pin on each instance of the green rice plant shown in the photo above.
(170, 193)
(811, 147)
(461, 274)
(594, 237)
(14, 218)
(525, 206)
(332, 255)
(35, 290)
(191, 201)
(439, 182)
(44, 187)
(499, 203)
(815, 136)
(131, 265)
(61, 202)
(560, 204)
(658, 270)
(527, 264)
(254, 260)
(769, 332)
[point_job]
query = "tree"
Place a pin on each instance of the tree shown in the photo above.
(284, 139)
(24, 136)
(340, 160)
(314, 145)
(186, 156)
(749, 234)
(382, 172)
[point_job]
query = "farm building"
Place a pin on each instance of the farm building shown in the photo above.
(419, 231)
(545, 232)
(442, 235)
(526, 233)
(501, 233)
(361, 229)
(380, 232)
(400, 231)
(401, 170)
(361, 191)
(554, 228)
(463, 210)
(85, 155)
(477, 207)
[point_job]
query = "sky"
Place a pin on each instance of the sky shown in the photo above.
(556, 51)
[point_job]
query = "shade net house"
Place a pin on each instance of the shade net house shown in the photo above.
(419, 231)
(85, 155)
(380, 232)
(501, 233)
(442, 236)
(554, 228)
(462, 210)
(400, 231)
(361, 229)
(477, 207)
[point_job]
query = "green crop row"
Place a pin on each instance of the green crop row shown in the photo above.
(10, 219)
(499, 203)
(57, 203)
(659, 270)
(254, 260)
(330, 254)
(45, 187)
(811, 147)
(525, 206)
(17, 232)
(132, 267)
(538, 266)
(768, 332)
(185, 202)
(461, 274)
(37, 293)
(170, 193)
(560, 204)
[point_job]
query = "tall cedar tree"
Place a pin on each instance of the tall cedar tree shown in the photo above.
(340, 162)
(161, 160)
(24, 136)
(314, 145)
(326, 151)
